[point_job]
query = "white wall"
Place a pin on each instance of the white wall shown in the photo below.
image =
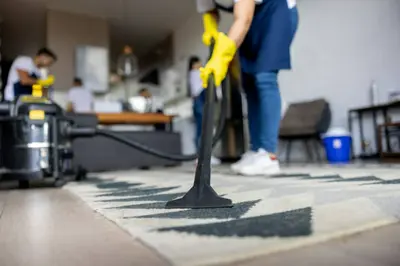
(65, 32)
(341, 45)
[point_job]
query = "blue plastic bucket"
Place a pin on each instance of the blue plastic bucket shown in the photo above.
(337, 148)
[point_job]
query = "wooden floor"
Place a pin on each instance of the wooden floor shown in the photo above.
(50, 227)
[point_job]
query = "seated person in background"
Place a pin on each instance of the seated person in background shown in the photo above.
(155, 107)
(80, 99)
(144, 92)
(25, 72)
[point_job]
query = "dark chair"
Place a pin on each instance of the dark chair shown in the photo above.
(306, 121)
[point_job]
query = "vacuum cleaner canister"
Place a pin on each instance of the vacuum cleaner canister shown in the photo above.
(31, 138)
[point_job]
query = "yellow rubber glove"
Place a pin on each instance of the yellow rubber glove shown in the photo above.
(47, 82)
(224, 51)
(210, 28)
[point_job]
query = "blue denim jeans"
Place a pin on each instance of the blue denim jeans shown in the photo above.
(264, 109)
(198, 105)
(264, 103)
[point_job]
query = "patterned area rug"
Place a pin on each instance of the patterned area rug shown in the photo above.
(304, 205)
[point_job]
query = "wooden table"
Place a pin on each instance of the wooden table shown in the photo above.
(374, 110)
(128, 118)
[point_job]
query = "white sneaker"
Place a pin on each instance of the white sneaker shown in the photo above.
(215, 161)
(261, 164)
(245, 159)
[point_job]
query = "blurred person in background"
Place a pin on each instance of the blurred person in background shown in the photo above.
(144, 92)
(80, 98)
(197, 93)
(155, 106)
(127, 64)
(26, 71)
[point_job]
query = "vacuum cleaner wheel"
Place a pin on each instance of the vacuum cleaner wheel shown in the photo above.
(59, 182)
(81, 174)
(23, 184)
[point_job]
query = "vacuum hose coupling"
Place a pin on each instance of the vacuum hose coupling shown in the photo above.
(37, 90)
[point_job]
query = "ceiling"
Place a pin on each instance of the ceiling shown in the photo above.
(141, 23)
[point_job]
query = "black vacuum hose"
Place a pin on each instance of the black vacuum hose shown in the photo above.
(174, 157)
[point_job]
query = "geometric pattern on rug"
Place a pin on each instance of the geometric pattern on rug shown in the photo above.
(303, 205)
(286, 224)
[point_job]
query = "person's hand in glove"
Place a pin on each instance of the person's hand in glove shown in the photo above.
(46, 82)
(210, 24)
(224, 51)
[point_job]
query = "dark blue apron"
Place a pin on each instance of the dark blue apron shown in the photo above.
(20, 89)
(267, 44)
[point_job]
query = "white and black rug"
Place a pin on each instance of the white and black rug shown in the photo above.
(304, 205)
